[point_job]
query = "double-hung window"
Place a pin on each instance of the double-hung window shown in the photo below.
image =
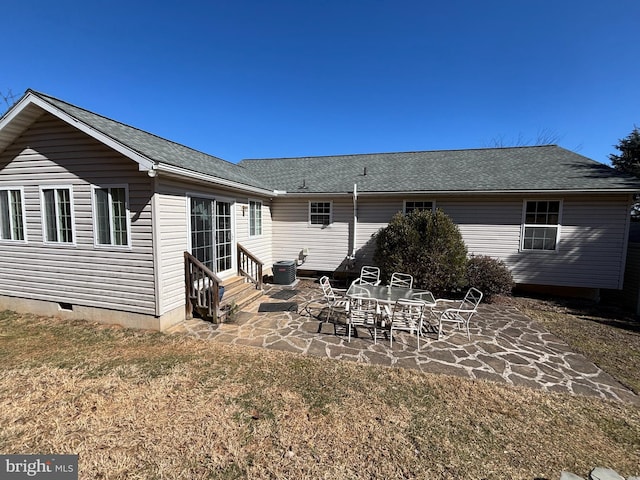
(320, 213)
(541, 226)
(255, 218)
(12, 214)
(57, 214)
(410, 206)
(111, 216)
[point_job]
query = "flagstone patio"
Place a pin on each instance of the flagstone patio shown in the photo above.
(506, 346)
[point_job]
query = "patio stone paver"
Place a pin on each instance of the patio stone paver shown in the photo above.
(505, 346)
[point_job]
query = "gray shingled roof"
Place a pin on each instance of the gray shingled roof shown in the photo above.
(540, 168)
(543, 168)
(156, 148)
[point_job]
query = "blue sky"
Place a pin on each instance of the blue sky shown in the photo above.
(253, 79)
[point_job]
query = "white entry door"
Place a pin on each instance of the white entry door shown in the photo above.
(212, 233)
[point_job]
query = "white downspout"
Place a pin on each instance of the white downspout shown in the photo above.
(355, 220)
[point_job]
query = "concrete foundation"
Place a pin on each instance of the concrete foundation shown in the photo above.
(100, 315)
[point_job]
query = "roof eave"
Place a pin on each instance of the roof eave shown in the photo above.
(15, 121)
(172, 170)
(466, 192)
(513, 191)
(30, 98)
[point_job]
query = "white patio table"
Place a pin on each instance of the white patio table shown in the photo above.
(388, 295)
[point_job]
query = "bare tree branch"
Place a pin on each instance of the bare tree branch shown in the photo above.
(544, 136)
(8, 98)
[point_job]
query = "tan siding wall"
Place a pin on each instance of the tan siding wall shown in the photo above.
(172, 240)
(373, 214)
(258, 245)
(53, 153)
(489, 226)
(592, 239)
(328, 246)
(591, 250)
(173, 233)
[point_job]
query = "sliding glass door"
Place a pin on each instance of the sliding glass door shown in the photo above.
(224, 237)
(212, 235)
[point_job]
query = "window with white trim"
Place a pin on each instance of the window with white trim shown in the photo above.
(320, 213)
(541, 226)
(111, 216)
(57, 214)
(410, 206)
(12, 214)
(255, 218)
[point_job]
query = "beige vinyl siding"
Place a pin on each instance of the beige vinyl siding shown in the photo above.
(328, 246)
(590, 253)
(592, 248)
(489, 226)
(258, 245)
(173, 234)
(374, 213)
(172, 242)
(51, 152)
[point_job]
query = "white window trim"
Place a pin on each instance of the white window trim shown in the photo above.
(524, 225)
(44, 220)
(404, 204)
(255, 200)
(95, 217)
(320, 225)
(23, 213)
(234, 223)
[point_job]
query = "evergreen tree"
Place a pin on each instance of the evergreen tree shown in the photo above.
(629, 159)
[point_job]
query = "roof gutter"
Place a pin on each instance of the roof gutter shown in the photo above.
(461, 192)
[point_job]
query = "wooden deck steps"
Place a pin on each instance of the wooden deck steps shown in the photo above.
(203, 285)
(238, 293)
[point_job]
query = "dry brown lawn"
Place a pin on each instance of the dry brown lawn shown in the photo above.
(146, 405)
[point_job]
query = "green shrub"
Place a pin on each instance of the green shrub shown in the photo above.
(425, 244)
(489, 275)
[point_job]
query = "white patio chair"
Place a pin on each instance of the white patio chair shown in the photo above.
(461, 315)
(403, 280)
(363, 312)
(368, 276)
(335, 298)
(407, 316)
